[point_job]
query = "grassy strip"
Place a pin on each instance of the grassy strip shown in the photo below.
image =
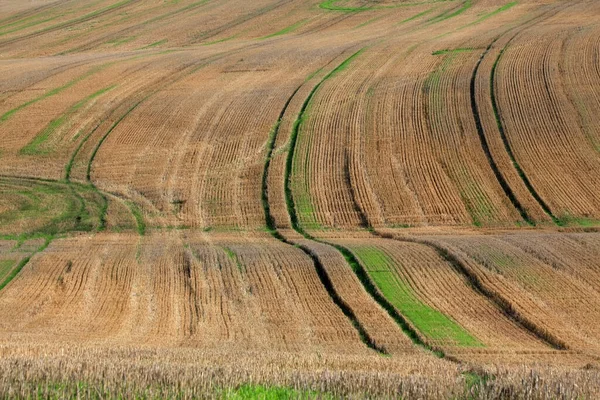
(501, 303)
(369, 286)
(508, 149)
(347, 254)
(151, 45)
(60, 205)
(139, 217)
(78, 20)
(431, 322)
(105, 136)
(332, 6)
(486, 148)
(26, 25)
(6, 267)
(452, 51)
(33, 147)
(272, 228)
(220, 40)
(98, 390)
(419, 15)
(24, 262)
(447, 14)
(491, 14)
(291, 206)
(285, 30)
(4, 117)
(231, 254)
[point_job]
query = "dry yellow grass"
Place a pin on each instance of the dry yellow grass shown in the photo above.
(359, 198)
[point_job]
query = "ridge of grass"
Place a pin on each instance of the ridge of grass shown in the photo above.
(139, 217)
(272, 228)
(431, 322)
(33, 147)
(4, 117)
(505, 7)
(331, 5)
(451, 14)
(287, 29)
(452, 51)
(419, 15)
(151, 45)
(352, 261)
(15, 271)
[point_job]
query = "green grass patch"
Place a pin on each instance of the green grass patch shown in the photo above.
(291, 159)
(155, 44)
(286, 30)
(431, 322)
(219, 40)
(139, 218)
(24, 24)
(35, 147)
(47, 208)
(368, 22)
(452, 51)
(85, 17)
(491, 14)
(120, 41)
(15, 271)
(231, 254)
(419, 15)
(451, 14)
(4, 117)
(334, 5)
(6, 267)
(269, 393)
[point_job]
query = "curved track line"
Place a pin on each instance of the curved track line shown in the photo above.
(272, 228)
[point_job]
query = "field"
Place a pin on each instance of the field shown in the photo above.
(300, 198)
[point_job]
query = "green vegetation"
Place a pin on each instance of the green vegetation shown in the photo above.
(84, 18)
(452, 51)
(285, 30)
(120, 41)
(74, 389)
(15, 271)
(419, 15)
(356, 266)
(307, 209)
(155, 44)
(432, 323)
(6, 266)
(219, 40)
(491, 14)
(269, 393)
(139, 217)
(47, 208)
(508, 149)
(35, 147)
(332, 5)
(451, 14)
(474, 382)
(24, 24)
(231, 254)
(4, 117)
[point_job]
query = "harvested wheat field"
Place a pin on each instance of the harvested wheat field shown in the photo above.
(300, 199)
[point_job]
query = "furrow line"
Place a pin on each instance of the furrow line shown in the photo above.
(270, 222)
(486, 148)
(508, 148)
